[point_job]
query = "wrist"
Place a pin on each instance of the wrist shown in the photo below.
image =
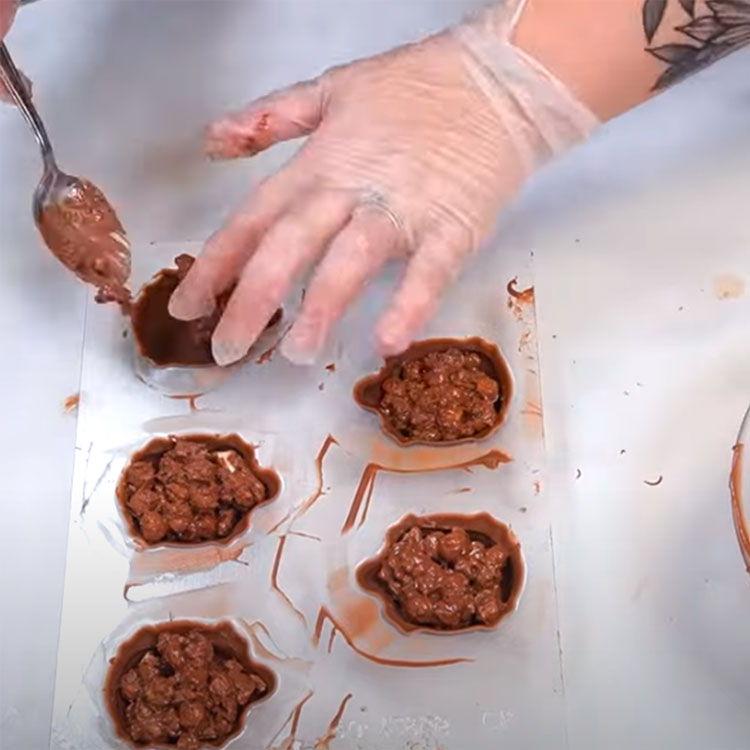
(540, 113)
(595, 48)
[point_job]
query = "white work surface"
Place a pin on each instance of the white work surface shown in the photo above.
(641, 240)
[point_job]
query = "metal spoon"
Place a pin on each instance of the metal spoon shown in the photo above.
(72, 214)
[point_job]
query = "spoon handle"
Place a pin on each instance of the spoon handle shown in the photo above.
(15, 85)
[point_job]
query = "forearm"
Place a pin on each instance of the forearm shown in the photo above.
(614, 54)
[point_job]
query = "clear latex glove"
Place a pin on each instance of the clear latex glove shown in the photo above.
(411, 153)
(7, 14)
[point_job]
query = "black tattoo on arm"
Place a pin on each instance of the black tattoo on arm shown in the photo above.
(722, 27)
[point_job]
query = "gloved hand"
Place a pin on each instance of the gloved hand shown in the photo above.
(7, 14)
(411, 154)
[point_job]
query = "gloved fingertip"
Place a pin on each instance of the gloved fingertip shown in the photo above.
(392, 339)
(183, 306)
(215, 144)
(213, 153)
(232, 137)
(227, 352)
(304, 342)
(297, 352)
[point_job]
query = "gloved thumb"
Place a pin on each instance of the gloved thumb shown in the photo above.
(7, 14)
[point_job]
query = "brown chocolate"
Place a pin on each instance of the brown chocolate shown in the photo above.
(524, 296)
(328, 443)
(735, 487)
(167, 341)
(446, 573)
(440, 391)
(323, 742)
(363, 494)
(324, 614)
(83, 232)
(191, 489)
(184, 684)
(70, 405)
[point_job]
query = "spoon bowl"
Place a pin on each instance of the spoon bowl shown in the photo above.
(74, 218)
